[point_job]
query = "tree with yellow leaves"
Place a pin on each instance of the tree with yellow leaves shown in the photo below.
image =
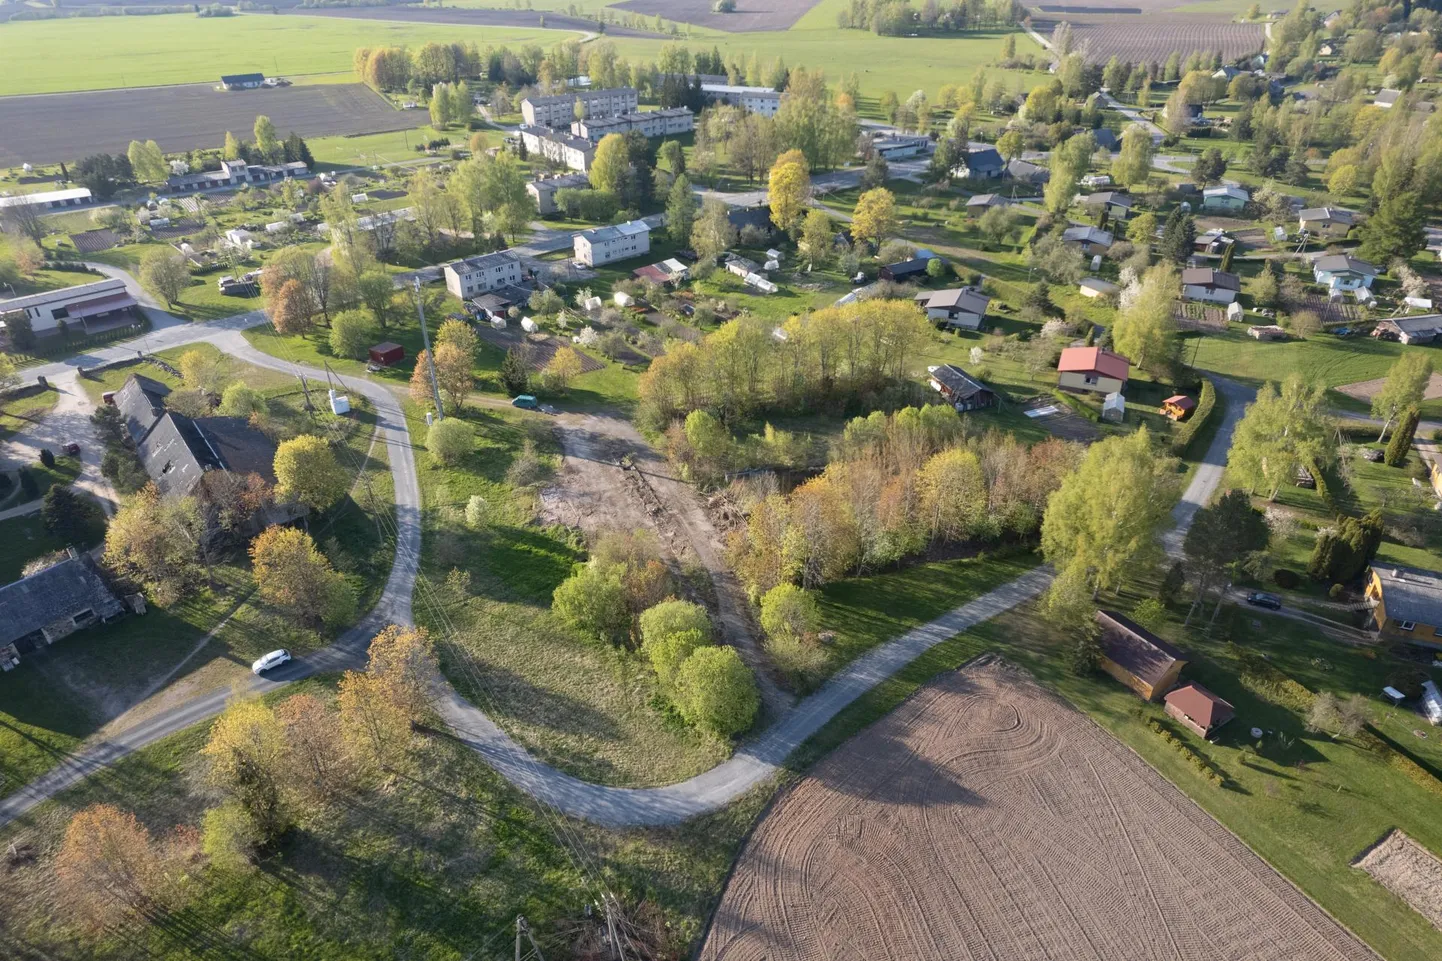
(374, 723)
(292, 575)
(307, 472)
(248, 757)
(789, 189)
(874, 218)
(106, 864)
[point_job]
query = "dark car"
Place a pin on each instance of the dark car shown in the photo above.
(73, 449)
(1270, 601)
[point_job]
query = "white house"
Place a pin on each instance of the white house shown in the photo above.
(760, 100)
(604, 245)
(82, 305)
(1227, 197)
(1343, 272)
(49, 199)
(479, 275)
(961, 307)
(1210, 285)
(560, 110)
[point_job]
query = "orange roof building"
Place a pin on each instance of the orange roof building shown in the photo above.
(1093, 369)
(1198, 709)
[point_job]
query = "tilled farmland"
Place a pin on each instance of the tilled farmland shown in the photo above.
(1147, 39)
(68, 126)
(985, 818)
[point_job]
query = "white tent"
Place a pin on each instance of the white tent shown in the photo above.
(498, 323)
(1114, 407)
(1234, 311)
(623, 299)
(528, 325)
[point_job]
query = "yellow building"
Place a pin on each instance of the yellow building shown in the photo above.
(1406, 603)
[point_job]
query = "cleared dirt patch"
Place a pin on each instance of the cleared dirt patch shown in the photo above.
(1194, 316)
(1367, 389)
(749, 16)
(1408, 870)
(67, 126)
(985, 818)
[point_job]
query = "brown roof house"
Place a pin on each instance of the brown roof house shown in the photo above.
(1137, 657)
(1198, 709)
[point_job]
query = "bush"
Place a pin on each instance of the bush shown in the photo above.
(802, 661)
(789, 611)
(667, 652)
(450, 440)
(1336, 592)
(478, 512)
(241, 401)
(47, 457)
(351, 334)
(1285, 579)
(714, 690)
(592, 601)
(674, 617)
(1184, 434)
(28, 487)
(528, 468)
(229, 837)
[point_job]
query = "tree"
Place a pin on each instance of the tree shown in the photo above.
(1396, 229)
(267, 141)
(66, 515)
(680, 208)
(1178, 237)
(1134, 161)
(1104, 518)
(375, 726)
(163, 272)
(714, 690)
(817, 233)
(291, 574)
(564, 367)
(378, 293)
(1210, 166)
(147, 161)
(674, 156)
(205, 371)
(106, 864)
(232, 147)
(307, 473)
(247, 755)
(998, 224)
(670, 631)
(953, 495)
(612, 164)
(789, 189)
(351, 334)
(1069, 162)
(241, 400)
(1146, 328)
(874, 218)
(290, 310)
(1010, 144)
(712, 233)
(1280, 432)
(592, 601)
(789, 611)
(450, 441)
(1222, 535)
(515, 372)
(1401, 442)
(9, 379)
(454, 372)
(1405, 387)
(155, 540)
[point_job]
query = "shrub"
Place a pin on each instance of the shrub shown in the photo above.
(229, 837)
(789, 611)
(801, 660)
(1285, 579)
(528, 468)
(1185, 432)
(47, 457)
(28, 487)
(1336, 592)
(478, 512)
(667, 652)
(450, 440)
(674, 617)
(351, 334)
(592, 601)
(241, 401)
(714, 690)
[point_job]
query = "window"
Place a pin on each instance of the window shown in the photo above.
(1089, 379)
(1406, 625)
(83, 617)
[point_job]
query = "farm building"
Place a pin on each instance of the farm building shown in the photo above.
(765, 101)
(543, 189)
(1090, 240)
(1329, 223)
(1227, 197)
(1095, 287)
(1422, 329)
(235, 173)
(39, 610)
(386, 354)
(49, 199)
(1266, 332)
(983, 163)
(560, 110)
(963, 307)
(651, 123)
(960, 389)
(1343, 272)
(1406, 602)
(1386, 99)
(905, 270)
(1092, 369)
(101, 305)
(1198, 709)
(1137, 657)
(559, 146)
(669, 271)
(1117, 205)
(1210, 285)
(901, 146)
(242, 81)
(604, 245)
(1024, 171)
(478, 275)
(1178, 406)
(983, 202)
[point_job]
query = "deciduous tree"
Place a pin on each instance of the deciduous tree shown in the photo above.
(352, 333)
(874, 218)
(715, 691)
(291, 574)
(248, 757)
(164, 272)
(154, 540)
(1146, 328)
(290, 310)
(308, 473)
(789, 189)
(1280, 432)
(1405, 386)
(612, 164)
(107, 864)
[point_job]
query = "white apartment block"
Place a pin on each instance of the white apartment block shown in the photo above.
(560, 110)
(762, 100)
(652, 123)
(479, 275)
(559, 146)
(543, 190)
(604, 245)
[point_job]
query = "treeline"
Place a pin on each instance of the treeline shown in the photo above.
(859, 354)
(894, 18)
(895, 485)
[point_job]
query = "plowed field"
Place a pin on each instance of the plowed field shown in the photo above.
(985, 818)
(1155, 37)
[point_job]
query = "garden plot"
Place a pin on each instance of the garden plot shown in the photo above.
(1408, 870)
(986, 818)
(94, 241)
(1194, 316)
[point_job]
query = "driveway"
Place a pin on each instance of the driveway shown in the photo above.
(1208, 475)
(68, 421)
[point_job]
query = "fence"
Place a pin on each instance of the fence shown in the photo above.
(64, 345)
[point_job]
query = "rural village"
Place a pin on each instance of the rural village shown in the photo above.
(721, 479)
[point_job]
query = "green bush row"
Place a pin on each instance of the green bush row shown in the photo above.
(1264, 679)
(1187, 431)
(1385, 747)
(1191, 757)
(1077, 404)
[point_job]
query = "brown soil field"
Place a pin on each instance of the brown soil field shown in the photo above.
(750, 16)
(411, 13)
(1132, 38)
(986, 818)
(1367, 389)
(1408, 870)
(68, 126)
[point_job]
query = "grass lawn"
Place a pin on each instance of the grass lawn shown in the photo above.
(24, 538)
(380, 148)
(20, 413)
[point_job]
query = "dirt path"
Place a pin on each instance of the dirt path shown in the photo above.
(593, 493)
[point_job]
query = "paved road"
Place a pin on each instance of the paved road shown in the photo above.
(1214, 463)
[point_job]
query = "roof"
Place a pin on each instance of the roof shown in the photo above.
(484, 261)
(141, 402)
(615, 232)
(961, 384)
(988, 200)
(582, 95)
(652, 272)
(907, 267)
(1200, 704)
(1387, 96)
(61, 590)
(1181, 401)
(1336, 214)
(229, 78)
(968, 299)
(1227, 190)
(65, 295)
(739, 90)
(1115, 198)
(1135, 649)
(1418, 324)
(179, 450)
(1410, 593)
(743, 217)
(102, 305)
(386, 347)
(1097, 360)
(984, 158)
(1099, 285)
(552, 184)
(1339, 263)
(1026, 170)
(45, 197)
(1210, 277)
(1088, 235)
(1106, 138)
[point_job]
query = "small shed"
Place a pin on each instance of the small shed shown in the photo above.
(1114, 407)
(498, 323)
(387, 354)
(1178, 406)
(1198, 709)
(623, 299)
(592, 304)
(1234, 311)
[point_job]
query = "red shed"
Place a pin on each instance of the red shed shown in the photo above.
(387, 354)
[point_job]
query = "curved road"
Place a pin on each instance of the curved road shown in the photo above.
(753, 764)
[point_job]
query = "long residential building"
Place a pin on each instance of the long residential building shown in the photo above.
(604, 245)
(560, 110)
(559, 146)
(49, 199)
(761, 100)
(101, 302)
(479, 275)
(236, 173)
(652, 123)
(543, 189)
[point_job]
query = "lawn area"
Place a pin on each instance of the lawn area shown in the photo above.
(21, 412)
(24, 538)
(332, 153)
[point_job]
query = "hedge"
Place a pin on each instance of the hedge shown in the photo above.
(1200, 763)
(1077, 404)
(1186, 432)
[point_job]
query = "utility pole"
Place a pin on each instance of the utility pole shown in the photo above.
(532, 952)
(430, 354)
(613, 933)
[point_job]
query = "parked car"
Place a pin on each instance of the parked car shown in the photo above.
(272, 660)
(1270, 601)
(526, 402)
(73, 449)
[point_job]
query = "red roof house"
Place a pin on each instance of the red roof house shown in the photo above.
(1092, 369)
(1198, 709)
